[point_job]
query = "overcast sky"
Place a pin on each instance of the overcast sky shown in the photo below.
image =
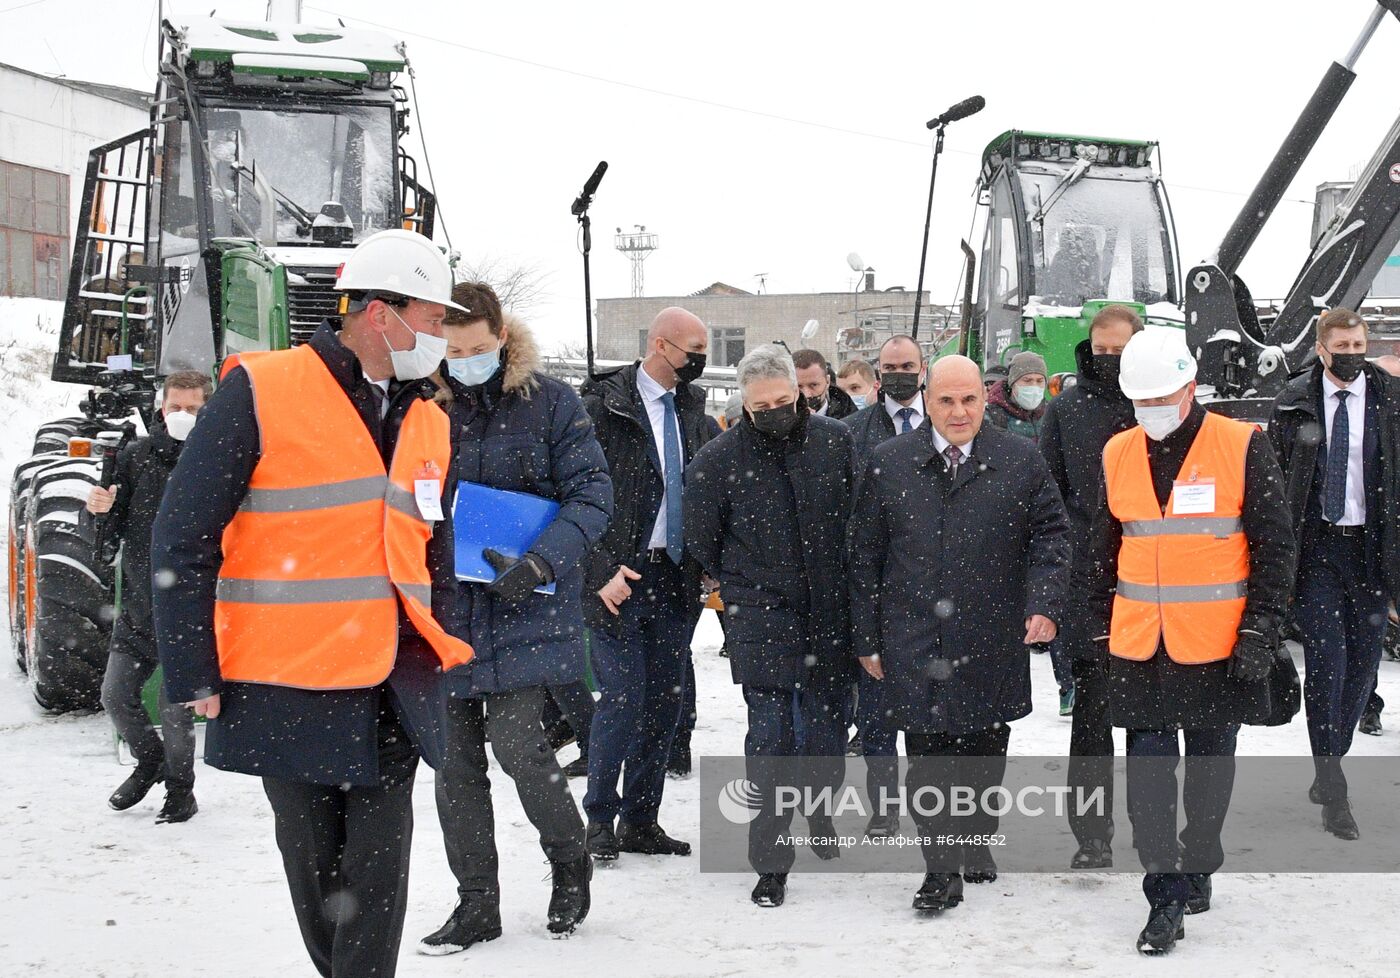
(765, 137)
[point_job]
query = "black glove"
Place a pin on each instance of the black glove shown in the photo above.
(1252, 658)
(516, 579)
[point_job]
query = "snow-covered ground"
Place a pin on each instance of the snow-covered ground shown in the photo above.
(88, 892)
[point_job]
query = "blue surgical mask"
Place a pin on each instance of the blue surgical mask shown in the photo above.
(858, 400)
(477, 370)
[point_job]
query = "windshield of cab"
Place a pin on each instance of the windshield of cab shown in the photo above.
(288, 163)
(1104, 238)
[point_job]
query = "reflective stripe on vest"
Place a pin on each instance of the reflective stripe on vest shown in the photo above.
(327, 546)
(1182, 580)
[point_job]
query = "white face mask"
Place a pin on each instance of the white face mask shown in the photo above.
(1159, 422)
(1029, 397)
(858, 400)
(427, 354)
(179, 424)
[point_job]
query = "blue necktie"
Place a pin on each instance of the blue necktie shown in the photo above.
(1334, 490)
(671, 457)
(905, 413)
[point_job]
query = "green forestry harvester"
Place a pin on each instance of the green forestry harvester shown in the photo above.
(273, 148)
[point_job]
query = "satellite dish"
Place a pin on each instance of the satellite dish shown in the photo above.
(854, 260)
(810, 330)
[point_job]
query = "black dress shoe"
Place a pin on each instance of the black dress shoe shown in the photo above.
(978, 865)
(1093, 854)
(882, 827)
(559, 735)
(940, 891)
(179, 806)
(137, 785)
(1337, 819)
(823, 838)
(577, 768)
(570, 899)
(678, 765)
(649, 839)
(469, 923)
(601, 842)
(771, 889)
(1370, 723)
(1199, 900)
(1164, 928)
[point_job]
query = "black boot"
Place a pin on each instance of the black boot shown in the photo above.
(1199, 900)
(940, 891)
(569, 902)
(1370, 723)
(648, 839)
(978, 865)
(577, 768)
(601, 842)
(470, 923)
(1164, 928)
(771, 890)
(1337, 819)
(1093, 854)
(137, 785)
(678, 765)
(179, 806)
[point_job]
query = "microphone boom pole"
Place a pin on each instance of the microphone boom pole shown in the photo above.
(962, 110)
(580, 211)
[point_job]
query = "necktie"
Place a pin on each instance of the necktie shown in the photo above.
(905, 413)
(671, 459)
(954, 455)
(1334, 490)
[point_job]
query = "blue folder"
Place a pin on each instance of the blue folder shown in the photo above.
(509, 522)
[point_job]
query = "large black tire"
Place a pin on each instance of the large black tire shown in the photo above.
(53, 436)
(67, 593)
(17, 520)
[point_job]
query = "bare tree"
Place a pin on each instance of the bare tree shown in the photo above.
(519, 285)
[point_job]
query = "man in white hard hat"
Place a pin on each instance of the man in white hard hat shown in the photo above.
(1191, 564)
(304, 578)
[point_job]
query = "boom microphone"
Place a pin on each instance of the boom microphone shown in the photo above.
(589, 189)
(965, 108)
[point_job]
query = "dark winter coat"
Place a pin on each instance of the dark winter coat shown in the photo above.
(526, 432)
(1077, 425)
(1006, 414)
(142, 470)
(838, 403)
(1297, 434)
(945, 571)
(1159, 694)
(767, 518)
(870, 426)
(624, 431)
(312, 736)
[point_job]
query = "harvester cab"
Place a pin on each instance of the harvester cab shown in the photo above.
(272, 150)
(1070, 224)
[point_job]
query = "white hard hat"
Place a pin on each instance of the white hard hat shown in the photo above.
(1156, 362)
(402, 262)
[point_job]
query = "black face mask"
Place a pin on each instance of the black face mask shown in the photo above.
(900, 386)
(1107, 367)
(1346, 367)
(814, 404)
(776, 422)
(693, 367)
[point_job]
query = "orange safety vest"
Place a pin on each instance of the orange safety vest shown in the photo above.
(327, 545)
(1181, 577)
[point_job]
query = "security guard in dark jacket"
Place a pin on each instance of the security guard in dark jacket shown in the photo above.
(641, 590)
(1077, 426)
(1336, 430)
(1186, 585)
(766, 507)
(326, 686)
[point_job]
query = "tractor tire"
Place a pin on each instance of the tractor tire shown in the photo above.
(53, 435)
(68, 595)
(17, 515)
